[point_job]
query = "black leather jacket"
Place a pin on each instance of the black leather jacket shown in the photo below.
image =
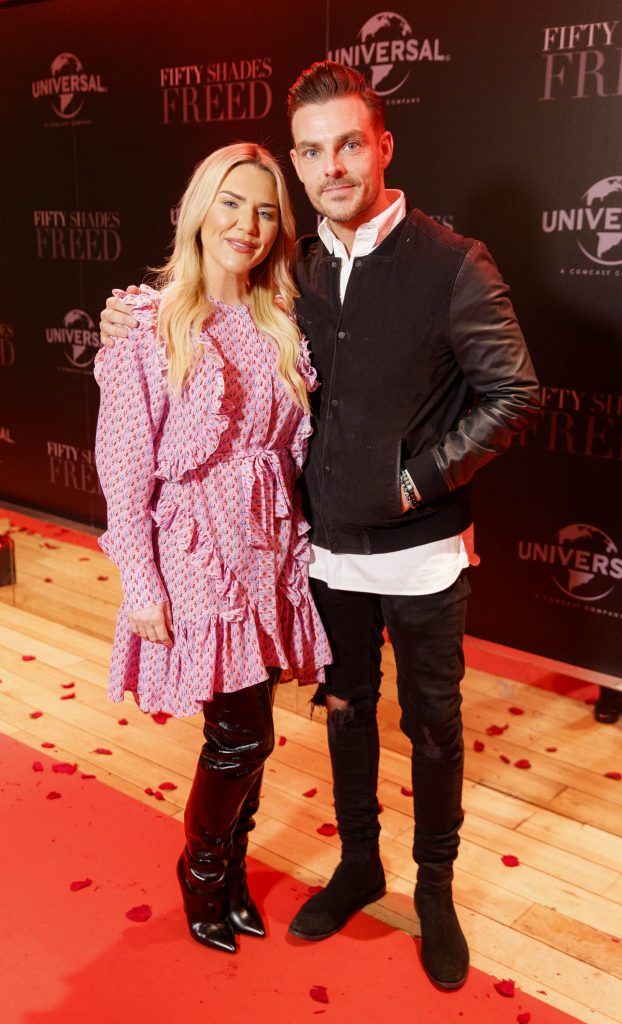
(425, 366)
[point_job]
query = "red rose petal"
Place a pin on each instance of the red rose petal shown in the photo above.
(101, 750)
(310, 792)
(84, 558)
(523, 1018)
(380, 808)
(67, 686)
(502, 757)
(405, 791)
(478, 746)
(48, 579)
(149, 791)
(167, 786)
(52, 547)
(102, 578)
(319, 993)
(123, 721)
(84, 884)
(161, 717)
(551, 750)
(327, 829)
(505, 987)
(48, 746)
(36, 714)
(86, 776)
(29, 657)
(53, 795)
(64, 767)
(282, 741)
(516, 711)
(158, 795)
(37, 766)
(510, 860)
(523, 763)
(67, 696)
(613, 775)
(313, 889)
(140, 913)
(496, 730)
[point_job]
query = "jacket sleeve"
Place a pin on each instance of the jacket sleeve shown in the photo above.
(132, 403)
(489, 347)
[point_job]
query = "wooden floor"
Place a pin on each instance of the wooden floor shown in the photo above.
(553, 923)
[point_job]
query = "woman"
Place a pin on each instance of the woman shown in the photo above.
(202, 432)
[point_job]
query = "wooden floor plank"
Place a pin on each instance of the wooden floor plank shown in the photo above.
(593, 844)
(580, 941)
(571, 803)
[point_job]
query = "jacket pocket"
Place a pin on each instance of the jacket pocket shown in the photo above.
(365, 486)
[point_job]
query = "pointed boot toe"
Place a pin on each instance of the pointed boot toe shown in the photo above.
(217, 935)
(246, 920)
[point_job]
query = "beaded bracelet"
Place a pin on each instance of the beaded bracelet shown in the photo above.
(407, 484)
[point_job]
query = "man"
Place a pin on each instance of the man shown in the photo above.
(425, 376)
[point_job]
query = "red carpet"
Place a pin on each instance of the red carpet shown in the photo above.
(28, 524)
(74, 958)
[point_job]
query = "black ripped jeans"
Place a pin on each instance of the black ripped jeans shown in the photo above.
(427, 635)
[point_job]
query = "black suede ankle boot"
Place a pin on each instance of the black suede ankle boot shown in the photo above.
(444, 950)
(353, 885)
(359, 878)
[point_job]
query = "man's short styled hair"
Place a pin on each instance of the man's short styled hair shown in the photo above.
(326, 80)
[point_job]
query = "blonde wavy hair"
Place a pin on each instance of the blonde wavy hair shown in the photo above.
(184, 305)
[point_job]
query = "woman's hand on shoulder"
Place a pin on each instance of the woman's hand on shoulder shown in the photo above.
(153, 623)
(116, 320)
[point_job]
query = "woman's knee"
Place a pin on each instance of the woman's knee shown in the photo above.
(241, 723)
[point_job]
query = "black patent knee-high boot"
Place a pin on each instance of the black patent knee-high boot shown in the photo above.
(239, 736)
(243, 912)
(359, 877)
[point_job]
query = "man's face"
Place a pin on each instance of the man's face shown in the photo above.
(340, 156)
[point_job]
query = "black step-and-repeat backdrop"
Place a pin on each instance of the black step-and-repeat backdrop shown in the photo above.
(507, 125)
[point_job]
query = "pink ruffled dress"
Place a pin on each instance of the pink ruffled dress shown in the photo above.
(203, 511)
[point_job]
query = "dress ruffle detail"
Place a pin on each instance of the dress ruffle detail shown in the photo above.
(219, 654)
(304, 367)
(232, 646)
(205, 422)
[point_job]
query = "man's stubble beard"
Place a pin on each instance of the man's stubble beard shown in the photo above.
(363, 204)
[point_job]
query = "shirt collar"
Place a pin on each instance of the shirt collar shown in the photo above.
(368, 235)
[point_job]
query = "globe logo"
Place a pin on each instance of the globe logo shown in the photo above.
(586, 562)
(66, 68)
(78, 338)
(389, 67)
(601, 237)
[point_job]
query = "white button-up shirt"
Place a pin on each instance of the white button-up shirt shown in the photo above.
(425, 569)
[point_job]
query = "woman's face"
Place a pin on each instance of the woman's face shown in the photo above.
(242, 223)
